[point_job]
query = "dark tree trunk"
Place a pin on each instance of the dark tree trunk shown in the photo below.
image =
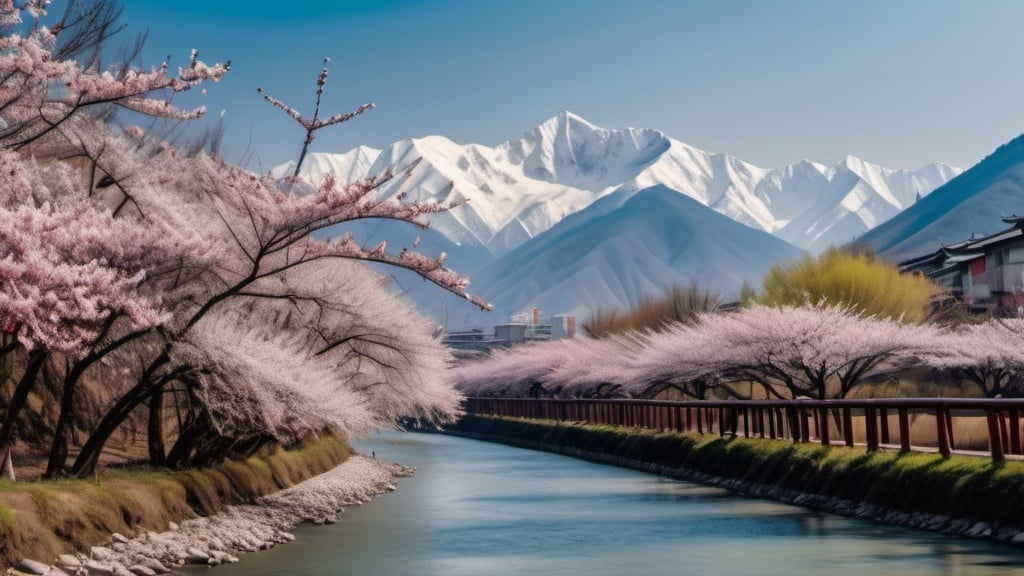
(59, 448)
(87, 459)
(188, 437)
(155, 429)
(36, 359)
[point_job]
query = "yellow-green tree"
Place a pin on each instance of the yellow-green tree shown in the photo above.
(859, 280)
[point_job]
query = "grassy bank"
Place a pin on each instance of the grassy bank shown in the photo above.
(962, 488)
(46, 518)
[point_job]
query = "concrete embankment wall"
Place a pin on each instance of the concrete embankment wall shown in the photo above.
(965, 495)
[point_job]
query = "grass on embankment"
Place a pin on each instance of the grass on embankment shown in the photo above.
(43, 519)
(973, 488)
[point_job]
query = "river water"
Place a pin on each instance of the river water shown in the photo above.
(475, 508)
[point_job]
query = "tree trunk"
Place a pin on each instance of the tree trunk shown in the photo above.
(155, 429)
(59, 449)
(85, 464)
(188, 434)
(36, 358)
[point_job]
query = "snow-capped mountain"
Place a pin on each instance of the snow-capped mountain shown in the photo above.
(525, 186)
(970, 204)
(621, 248)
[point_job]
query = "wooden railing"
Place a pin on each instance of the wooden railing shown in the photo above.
(875, 423)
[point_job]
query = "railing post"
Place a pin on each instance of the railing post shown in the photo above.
(884, 421)
(943, 438)
(793, 420)
(995, 440)
(760, 421)
(1004, 434)
(904, 418)
(948, 415)
(823, 431)
(870, 421)
(1014, 431)
(848, 426)
(805, 425)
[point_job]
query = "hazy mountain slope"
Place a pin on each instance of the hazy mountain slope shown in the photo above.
(971, 203)
(624, 246)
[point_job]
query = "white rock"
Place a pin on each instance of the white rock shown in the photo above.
(95, 568)
(117, 537)
(30, 566)
(140, 570)
(69, 562)
(196, 556)
(155, 565)
(173, 526)
(101, 553)
(980, 529)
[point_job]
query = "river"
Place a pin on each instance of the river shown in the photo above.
(475, 508)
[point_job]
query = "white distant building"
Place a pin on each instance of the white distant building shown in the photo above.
(524, 327)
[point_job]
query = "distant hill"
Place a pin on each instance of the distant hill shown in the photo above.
(971, 203)
(624, 246)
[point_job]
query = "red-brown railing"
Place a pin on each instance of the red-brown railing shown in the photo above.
(875, 423)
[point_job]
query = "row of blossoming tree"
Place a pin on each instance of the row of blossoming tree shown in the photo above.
(814, 351)
(142, 285)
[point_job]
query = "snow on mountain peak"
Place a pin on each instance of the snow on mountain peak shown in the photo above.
(567, 149)
(526, 185)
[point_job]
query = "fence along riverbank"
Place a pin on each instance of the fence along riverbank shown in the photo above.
(877, 423)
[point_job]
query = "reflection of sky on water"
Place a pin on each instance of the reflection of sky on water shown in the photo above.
(475, 508)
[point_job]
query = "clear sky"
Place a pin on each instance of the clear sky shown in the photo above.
(899, 83)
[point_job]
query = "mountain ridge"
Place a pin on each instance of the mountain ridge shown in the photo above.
(525, 185)
(971, 203)
(620, 249)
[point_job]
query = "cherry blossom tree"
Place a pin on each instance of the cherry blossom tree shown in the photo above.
(989, 355)
(511, 372)
(67, 269)
(186, 279)
(820, 351)
(314, 123)
(573, 368)
(259, 234)
(594, 369)
(675, 357)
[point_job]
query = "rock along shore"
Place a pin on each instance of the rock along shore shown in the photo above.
(220, 538)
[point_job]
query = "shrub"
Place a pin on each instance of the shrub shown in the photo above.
(859, 281)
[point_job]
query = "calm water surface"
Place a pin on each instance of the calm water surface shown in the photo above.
(475, 508)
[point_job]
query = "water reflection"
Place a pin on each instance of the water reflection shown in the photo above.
(476, 508)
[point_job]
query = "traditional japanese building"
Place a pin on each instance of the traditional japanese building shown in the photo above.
(985, 273)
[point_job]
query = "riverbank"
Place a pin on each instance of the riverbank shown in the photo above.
(197, 516)
(961, 495)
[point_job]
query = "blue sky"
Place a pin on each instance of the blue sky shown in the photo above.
(896, 82)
